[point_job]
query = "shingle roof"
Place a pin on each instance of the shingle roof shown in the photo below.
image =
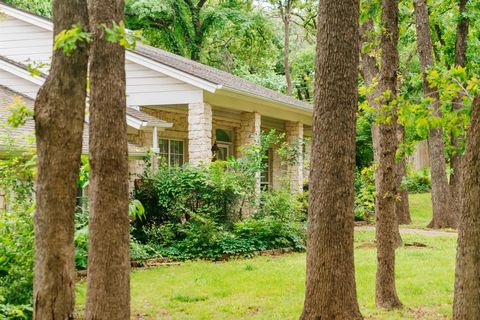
(151, 121)
(24, 135)
(216, 76)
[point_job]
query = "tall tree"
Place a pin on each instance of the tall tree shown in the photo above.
(108, 280)
(59, 119)
(386, 294)
(285, 11)
(466, 304)
(330, 284)
(456, 160)
(443, 216)
(371, 73)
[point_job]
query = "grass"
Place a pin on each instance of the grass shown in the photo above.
(420, 210)
(273, 287)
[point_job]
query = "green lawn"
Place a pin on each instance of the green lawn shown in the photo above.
(272, 287)
(420, 210)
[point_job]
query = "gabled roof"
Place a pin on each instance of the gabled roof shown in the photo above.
(219, 77)
(203, 76)
(24, 135)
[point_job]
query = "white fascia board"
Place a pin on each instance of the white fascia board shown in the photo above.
(135, 123)
(172, 72)
(248, 94)
(20, 72)
(24, 16)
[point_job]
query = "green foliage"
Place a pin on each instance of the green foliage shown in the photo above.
(363, 141)
(69, 39)
(418, 181)
(118, 34)
(19, 113)
(16, 239)
(281, 205)
(365, 193)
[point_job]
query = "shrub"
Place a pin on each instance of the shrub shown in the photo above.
(364, 194)
(282, 205)
(175, 195)
(418, 181)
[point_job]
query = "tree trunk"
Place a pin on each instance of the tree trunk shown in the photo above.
(443, 217)
(330, 283)
(402, 208)
(108, 280)
(286, 24)
(456, 160)
(59, 119)
(370, 73)
(466, 304)
(386, 295)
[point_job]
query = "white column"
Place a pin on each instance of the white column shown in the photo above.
(294, 136)
(155, 147)
(199, 133)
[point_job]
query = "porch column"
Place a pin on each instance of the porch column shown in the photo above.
(249, 134)
(3, 200)
(199, 133)
(294, 136)
(249, 131)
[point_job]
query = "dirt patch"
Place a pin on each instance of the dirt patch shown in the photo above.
(367, 245)
(415, 245)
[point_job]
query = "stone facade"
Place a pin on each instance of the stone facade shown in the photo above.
(199, 133)
(249, 131)
(294, 136)
(196, 124)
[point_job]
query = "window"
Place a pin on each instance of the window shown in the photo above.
(171, 152)
(224, 144)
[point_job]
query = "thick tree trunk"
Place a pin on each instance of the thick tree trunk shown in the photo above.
(108, 280)
(386, 295)
(456, 160)
(59, 119)
(402, 208)
(443, 216)
(330, 284)
(466, 303)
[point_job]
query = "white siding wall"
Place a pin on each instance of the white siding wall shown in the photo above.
(18, 84)
(29, 44)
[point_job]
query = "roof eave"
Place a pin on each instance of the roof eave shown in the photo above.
(305, 110)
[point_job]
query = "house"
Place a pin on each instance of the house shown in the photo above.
(178, 108)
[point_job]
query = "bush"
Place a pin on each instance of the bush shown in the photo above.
(364, 194)
(418, 181)
(175, 195)
(282, 205)
(205, 239)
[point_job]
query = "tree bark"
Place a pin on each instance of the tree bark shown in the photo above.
(286, 23)
(456, 160)
(330, 283)
(59, 119)
(370, 73)
(466, 304)
(402, 207)
(108, 280)
(443, 216)
(386, 295)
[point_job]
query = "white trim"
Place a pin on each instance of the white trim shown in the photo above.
(155, 147)
(26, 17)
(20, 72)
(249, 94)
